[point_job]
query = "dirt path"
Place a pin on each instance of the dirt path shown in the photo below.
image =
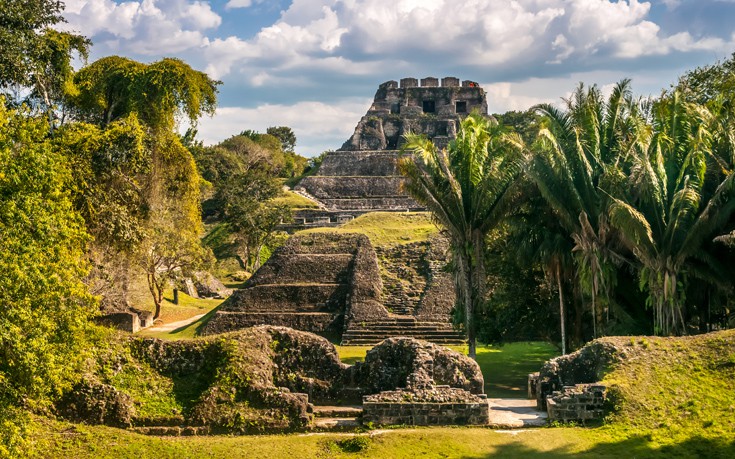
(176, 325)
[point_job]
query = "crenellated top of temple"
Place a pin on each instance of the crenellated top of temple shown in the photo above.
(428, 106)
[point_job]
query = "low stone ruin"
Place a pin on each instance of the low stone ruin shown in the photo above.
(440, 405)
(267, 379)
(435, 386)
(581, 402)
(568, 387)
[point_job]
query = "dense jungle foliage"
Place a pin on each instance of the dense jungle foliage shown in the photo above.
(613, 214)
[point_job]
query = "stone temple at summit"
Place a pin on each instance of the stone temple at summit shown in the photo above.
(339, 285)
(362, 175)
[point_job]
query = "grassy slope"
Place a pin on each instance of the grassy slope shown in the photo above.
(294, 201)
(388, 228)
(671, 389)
(78, 441)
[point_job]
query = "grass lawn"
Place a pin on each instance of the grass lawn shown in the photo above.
(294, 201)
(505, 368)
(62, 440)
(387, 228)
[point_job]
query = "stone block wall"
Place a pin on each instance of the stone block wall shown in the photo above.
(439, 406)
(582, 402)
(363, 163)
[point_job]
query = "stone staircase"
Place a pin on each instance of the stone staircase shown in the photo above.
(337, 417)
(372, 332)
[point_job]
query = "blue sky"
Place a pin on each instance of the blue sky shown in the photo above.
(314, 65)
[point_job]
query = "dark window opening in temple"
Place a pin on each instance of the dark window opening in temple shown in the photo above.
(395, 109)
(461, 106)
(429, 106)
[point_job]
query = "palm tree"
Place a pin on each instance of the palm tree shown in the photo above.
(579, 153)
(468, 188)
(537, 238)
(668, 212)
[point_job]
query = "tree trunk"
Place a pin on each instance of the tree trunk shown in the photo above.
(561, 311)
(152, 285)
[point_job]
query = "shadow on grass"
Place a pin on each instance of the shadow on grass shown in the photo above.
(639, 447)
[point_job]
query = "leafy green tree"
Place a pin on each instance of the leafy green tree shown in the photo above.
(286, 135)
(579, 155)
(468, 188)
(668, 214)
(155, 188)
(36, 57)
(45, 304)
(114, 87)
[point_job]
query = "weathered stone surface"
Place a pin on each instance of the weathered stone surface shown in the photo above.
(585, 366)
(581, 402)
(126, 321)
(435, 406)
(363, 175)
(208, 286)
(427, 109)
(314, 282)
(415, 364)
(97, 403)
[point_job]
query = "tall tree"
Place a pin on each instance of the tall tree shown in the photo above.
(468, 189)
(667, 214)
(162, 177)
(578, 154)
(45, 305)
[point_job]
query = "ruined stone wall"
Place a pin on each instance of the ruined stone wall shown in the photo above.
(364, 163)
(361, 181)
(581, 402)
(439, 406)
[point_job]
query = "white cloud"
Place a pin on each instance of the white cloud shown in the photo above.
(313, 33)
(242, 3)
(317, 125)
(143, 27)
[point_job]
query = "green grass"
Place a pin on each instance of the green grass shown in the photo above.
(294, 201)
(672, 388)
(505, 368)
(61, 440)
(387, 229)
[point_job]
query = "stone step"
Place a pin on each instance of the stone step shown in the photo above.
(373, 342)
(288, 297)
(399, 327)
(324, 411)
(335, 424)
(380, 332)
(172, 431)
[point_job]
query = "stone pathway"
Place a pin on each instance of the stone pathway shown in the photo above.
(175, 325)
(514, 413)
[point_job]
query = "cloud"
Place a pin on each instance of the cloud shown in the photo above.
(146, 27)
(232, 4)
(523, 34)
(317, 125)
